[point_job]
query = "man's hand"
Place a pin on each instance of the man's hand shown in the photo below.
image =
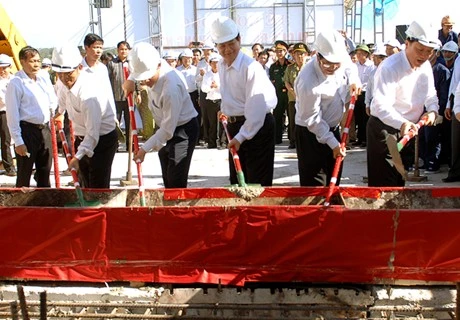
(448, 114)
(354, 88)
(408, 126)
(128, 87)
(430, 118)
(22, 150)
(139, 155)
(74, 164)
(339, 152)
(234, 143)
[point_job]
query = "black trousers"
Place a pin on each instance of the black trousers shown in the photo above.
(291, 118)
(176, 156)
(257, 156)
(454, 170)
(95, 172)
(37, 139)
(380, 169)
(316, 160)
(123, 110)
(5, 141)
(210, 109)
(361, 117)
(279, 113)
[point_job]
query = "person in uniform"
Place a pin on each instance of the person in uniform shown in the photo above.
(322, 89)
(30, 99)
(276, 74)
(403, 86)
(247, 100)
(301, 54)
(172, 110)
(90, 110)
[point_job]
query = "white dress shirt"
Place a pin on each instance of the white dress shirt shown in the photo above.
(90, 111)
(170, 104)
(364, 72)
(454, 82)
(321, 99)
(401, 92)
(208, 79)
(246, 90)
(202, 64)
(190, 77)
(105, 86)
(28, 100)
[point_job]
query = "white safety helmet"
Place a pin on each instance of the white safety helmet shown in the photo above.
(223, 29)
(46, 62)
(187, 53)
(5, 60)
(144, 61)
(65, 59)
(450, 46)
(380, 50)
(424, 34)
(331, 45)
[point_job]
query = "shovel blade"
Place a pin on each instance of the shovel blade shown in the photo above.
(392, 145)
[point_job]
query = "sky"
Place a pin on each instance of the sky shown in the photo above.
(58, 22)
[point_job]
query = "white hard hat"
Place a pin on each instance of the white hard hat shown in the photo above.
(331, 45)
(46, 62)
(187, 53)
(5, 60)
(451, 46)
(208, 45)
(214, 57)
(65, 59)
(393, 43)
(380, 50)
(424, 34)
(169, 55)
(223, 29)
(144, 61)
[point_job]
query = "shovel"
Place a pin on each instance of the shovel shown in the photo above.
(57, 177)
(244, 190)
(395, 147)
(81, 200)
(339, 159)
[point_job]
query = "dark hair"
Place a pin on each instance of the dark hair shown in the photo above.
(263, 52)
(91, 38)
(106, 55)
(27, 52)
(124, 43)
(257, 44)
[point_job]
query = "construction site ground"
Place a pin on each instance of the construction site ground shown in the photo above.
(209, 168)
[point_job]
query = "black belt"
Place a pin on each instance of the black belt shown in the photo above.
(35, 125)
(234, 119)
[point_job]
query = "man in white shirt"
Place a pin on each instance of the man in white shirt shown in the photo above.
(189, 71)
(172, 110)
(322, 88)
(248, 98)
(92, 116)
(403, 86)
(30, 99)
(211, 87)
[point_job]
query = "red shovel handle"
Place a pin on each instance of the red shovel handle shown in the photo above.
(405, 139)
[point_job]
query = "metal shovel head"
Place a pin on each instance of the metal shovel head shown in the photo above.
(392, 145)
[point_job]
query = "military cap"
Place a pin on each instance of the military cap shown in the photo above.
(280, 44)
(302, 47)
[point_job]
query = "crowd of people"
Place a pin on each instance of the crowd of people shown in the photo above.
(301, 89)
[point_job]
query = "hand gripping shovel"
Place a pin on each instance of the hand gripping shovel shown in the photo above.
(247, 191)
(339, 159)
(395, 147)
(135, 142)
(81, 200)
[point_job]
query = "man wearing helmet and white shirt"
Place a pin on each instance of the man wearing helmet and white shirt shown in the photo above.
(392, 46)
(91, 113)
(403, 86)
(322, 89)
(247, 99)
(172, 110)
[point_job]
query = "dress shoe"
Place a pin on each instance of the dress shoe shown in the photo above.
(291, 146)
(451, 179)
